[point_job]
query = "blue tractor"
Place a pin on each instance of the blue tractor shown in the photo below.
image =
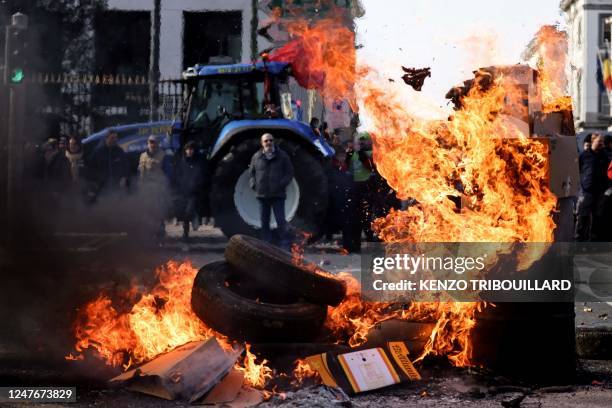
(227, 109)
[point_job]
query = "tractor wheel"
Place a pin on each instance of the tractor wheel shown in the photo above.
(235, 207)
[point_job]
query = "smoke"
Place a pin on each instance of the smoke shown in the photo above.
(62, 252)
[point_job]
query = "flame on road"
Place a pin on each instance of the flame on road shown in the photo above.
(159, 321)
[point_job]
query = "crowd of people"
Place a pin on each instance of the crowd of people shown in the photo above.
(358, 194)
(171, 186)
(594, 204)
(167, 186)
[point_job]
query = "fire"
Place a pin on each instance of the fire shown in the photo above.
(302, 372)
(550, 50)
(354, 318)
(476, 177)
(498, 174)
(255, 374)
(322, 56)
(159, 321)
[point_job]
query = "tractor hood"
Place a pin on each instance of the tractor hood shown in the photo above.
(273, 68)
(300, 129)
(133, 138)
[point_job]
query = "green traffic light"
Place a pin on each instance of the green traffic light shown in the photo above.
(17, 75)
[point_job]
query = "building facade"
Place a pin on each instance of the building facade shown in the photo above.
(192, 31)
(588, 36)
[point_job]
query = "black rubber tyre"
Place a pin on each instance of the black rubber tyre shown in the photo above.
(273, 267)
(241, 318)
(309, 174)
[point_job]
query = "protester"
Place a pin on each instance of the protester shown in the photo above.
(593, 164)
(189, 177)
(108, 166)
(342, 211)
(153, 182)
(360, 164)
(74, 154)
(63, 144)
(604, 208)
(270, 173)
(314, 125)
(586, 144)
(325, 132)
(608, 146)
(56, 170)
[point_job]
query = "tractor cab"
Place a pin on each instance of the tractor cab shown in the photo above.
(219, 94)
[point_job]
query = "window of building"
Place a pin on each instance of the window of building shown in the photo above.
(211, 34)
(123, 42)
(605, 34)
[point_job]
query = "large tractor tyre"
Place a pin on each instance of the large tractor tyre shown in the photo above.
(235, 207)
(215, 302)
(272, 267)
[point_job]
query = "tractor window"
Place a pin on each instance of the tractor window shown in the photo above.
(253, 98)
(215, 99)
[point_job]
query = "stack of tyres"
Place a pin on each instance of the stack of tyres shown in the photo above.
(260, 294)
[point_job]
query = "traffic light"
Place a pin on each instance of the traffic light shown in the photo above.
(15, 55)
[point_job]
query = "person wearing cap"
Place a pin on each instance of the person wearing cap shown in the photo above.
(150, 165)
(153, 183)
(270, 173)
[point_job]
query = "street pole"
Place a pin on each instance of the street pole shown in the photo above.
(16, 125)
(154, 61)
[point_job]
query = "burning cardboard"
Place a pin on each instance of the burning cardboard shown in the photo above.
(187, 373)
(227, 390)
(365, 369)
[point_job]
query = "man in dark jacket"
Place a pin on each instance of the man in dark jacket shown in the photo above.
(190, 180)
(108, 165)
(270, 173)
(593, 183)
(56, 171)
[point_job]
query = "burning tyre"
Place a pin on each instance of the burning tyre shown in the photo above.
(217, 301)
(235, 207)
(273, 267)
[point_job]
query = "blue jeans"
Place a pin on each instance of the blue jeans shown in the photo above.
(278, 206)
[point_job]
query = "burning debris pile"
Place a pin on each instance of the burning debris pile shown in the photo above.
(477, 177)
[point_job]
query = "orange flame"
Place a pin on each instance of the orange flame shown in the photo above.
(158, 322)
(255, 374)
(322, 56)
(550, 49)
(352, 320)
(303, 372)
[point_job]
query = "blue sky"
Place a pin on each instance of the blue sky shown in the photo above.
(453, 37)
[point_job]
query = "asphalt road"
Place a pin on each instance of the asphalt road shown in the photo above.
(32, 343)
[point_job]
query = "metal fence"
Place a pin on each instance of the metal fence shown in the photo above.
(84, 103)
